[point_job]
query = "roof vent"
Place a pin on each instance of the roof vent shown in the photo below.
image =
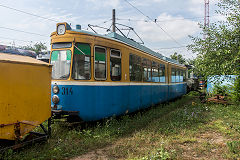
(78, 26)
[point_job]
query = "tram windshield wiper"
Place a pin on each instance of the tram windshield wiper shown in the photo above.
(79, 50)
(65, 76)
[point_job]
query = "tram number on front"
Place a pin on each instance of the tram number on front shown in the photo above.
(67, 91)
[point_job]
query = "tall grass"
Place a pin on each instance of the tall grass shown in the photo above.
(69, 142)
(146, 134)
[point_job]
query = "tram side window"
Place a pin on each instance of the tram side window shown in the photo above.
(146, 70)
(181, 75)
(115, 65)
(155, 72)
(100, 63)
(173, 75)
(61, 45)
(81, 69)
(162, 73)
(177, 75)
(135, 68)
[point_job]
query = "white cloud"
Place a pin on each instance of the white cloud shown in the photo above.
(183, 51)
(28, 23)
(159, 0)
(96, 12)
(178, 29)
(104, 3)
(197, 7)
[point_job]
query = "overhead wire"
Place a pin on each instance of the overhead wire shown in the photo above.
(154, 22)
(176, 19)
(104, 22)
(19, 39)
(1, 5)
(172, 47)
(24, 31)
(142, 20)
(18, 10)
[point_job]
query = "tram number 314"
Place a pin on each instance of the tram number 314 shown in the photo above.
(67, 91)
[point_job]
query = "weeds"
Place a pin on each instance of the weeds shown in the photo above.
(179, 125)
(234, 147)
(160, 154)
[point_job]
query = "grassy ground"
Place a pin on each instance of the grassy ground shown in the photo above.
(184, 129)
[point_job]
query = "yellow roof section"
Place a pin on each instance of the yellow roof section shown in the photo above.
(20, 59)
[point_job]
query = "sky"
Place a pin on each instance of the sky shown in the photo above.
(176, 20)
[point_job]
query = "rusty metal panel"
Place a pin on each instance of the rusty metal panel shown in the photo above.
(24, 95)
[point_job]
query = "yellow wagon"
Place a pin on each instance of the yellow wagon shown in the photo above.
(24, 95)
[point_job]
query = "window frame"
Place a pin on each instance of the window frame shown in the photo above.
(163, 69)
(70, 69)
(56, 45)
(146, 63)
(155, 65)
(115, 50)
(90, 62)
(120, 61)
(173, 68)
(137, 65)
(181, 75)
(177, 75)
(100, 79)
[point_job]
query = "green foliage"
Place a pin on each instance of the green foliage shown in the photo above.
(38, 47)
(219, 53)
(236, 90)
(219, 89)
(178, 57)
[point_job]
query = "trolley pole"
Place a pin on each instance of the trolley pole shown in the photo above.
(113, 21)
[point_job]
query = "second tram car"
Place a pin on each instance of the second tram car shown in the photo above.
(24, 97)
(98, 76)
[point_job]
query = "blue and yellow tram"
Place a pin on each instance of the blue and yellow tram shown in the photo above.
(96, 76)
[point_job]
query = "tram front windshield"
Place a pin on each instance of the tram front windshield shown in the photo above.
(61, 61)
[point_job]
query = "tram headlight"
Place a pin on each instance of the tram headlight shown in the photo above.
(55, 99)
(55, 89)
(61, 29)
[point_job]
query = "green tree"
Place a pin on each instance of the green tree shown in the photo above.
(38, 47)
(179, 58)
(219, 52)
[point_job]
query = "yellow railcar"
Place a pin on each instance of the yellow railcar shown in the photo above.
(24, 95)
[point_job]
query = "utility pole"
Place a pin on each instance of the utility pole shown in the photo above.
(113, 21)
(206, 17)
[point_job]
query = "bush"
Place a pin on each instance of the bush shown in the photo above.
(236, 90)
(221, 89)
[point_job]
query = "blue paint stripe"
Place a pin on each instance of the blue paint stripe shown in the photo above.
(97, 102)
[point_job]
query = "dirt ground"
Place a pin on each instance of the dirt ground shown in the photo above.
(207, 145)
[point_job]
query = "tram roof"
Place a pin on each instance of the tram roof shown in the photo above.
(4, 57)
(115, 36)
